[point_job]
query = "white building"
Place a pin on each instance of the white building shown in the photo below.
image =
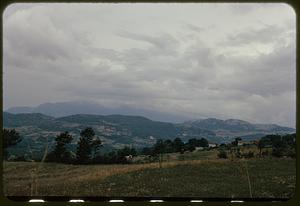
(212, 145)
(199, 148)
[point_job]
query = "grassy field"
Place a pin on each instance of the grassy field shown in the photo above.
(188, 175)
(268, 178)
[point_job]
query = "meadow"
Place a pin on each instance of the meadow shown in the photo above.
(195, 174)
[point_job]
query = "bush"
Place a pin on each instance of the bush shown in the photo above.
(238, 153)
(291, 152)
(278, 151)
(249, 154)
(222, 154)
(265, 153)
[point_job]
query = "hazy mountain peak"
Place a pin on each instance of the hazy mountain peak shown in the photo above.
(61, 109)
(235, 121)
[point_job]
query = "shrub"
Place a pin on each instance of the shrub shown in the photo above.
(249, 154)
(222, 154)
(265, 153)
(278, 151)
(291, 152)
(238, 153)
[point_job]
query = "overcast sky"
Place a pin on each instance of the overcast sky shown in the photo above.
(197, 60)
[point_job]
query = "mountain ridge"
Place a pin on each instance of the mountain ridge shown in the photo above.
(213, 121)
(209, 124)
(61, 109)
(117, 131)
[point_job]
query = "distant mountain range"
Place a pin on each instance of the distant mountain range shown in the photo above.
(119, 130)
(107, 126)
(62, 109)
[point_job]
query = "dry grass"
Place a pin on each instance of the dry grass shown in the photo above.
(18, 175)
(262, 178)
(183, 173)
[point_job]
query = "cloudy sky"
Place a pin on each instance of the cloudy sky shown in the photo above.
(196, 60)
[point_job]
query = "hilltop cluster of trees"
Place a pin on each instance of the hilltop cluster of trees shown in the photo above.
(121, 156)
(87, 147)
(168, 146)
(177, 145)
(280, 145)
(87, 152)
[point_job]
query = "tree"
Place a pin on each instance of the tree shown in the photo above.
(158, 149)
(60, 153)
(147, 151)
(234, 147)
(159, 146)
(10, 138)
(260, 145)
(178, 145)
(191, 144)
(96, 144)
(84, 148)
(273, 139)
(281, 145)
(290, 139)
(168, 146)
(236, 141)
(222, 154)
(111, 157)
(202, 143)
(123, 153)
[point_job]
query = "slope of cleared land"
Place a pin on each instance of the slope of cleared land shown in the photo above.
(269, 178)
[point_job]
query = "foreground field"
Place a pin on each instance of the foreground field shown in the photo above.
(262, 178)
(267, 179)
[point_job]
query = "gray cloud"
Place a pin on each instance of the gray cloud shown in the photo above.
(194, 28)
(165, 42)
(268, 74)
(226, 70)
(266, 34)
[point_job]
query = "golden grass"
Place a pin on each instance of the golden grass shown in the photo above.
(54, 179)
(17, 176)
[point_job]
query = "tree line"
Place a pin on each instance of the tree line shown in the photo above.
(282, 145)
(279, 146)
(89, 146)
(177, 145)
(87, 152)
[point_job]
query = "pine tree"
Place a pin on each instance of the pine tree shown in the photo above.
(96, 144)
(178, 145)
(159, 149)
(61, 154)
(10, 138)
(84, 149)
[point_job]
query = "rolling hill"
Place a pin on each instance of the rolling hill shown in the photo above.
(236, 127)
(61, 109)
(116, 131)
